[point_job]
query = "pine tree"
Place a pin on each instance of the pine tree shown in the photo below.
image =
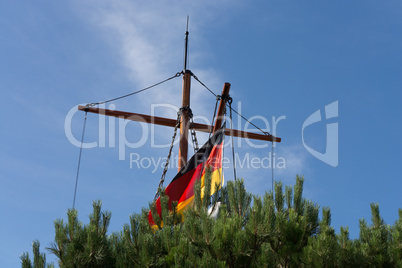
(349, 253)
(321, 250)
(374, 239)
(83, 246)
(395, 250)
(279, 229)
(294, 224)
(39, 258)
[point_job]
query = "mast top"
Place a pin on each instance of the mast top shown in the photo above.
(186, 47)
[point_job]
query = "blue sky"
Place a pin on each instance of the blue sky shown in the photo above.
(284, 59)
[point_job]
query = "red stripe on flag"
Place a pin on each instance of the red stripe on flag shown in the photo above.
(182, 186)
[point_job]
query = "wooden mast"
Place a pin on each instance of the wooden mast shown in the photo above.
(184, 123)
(185, 106)
(222, 106)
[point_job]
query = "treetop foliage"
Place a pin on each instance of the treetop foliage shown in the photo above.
(280, 229)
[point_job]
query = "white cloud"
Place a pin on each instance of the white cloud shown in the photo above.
(258, 180)
(295, 157)
(149, 39)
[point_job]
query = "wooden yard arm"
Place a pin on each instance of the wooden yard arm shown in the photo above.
(172, 122)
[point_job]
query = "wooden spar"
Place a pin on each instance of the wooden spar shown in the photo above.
(185, 107)
(185, 122)
(222, 107)
(185, 116)
(161, 121)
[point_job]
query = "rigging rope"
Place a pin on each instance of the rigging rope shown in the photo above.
(213, 117)
(230, 100)
(194, 136)
(212, 128)
(138, 91)
(196, 78)
(79, 157)
(223, 147)
(169, 155)
(272, 165)
(264, 132)
(192, 131)
(218, 97)
(231, 126)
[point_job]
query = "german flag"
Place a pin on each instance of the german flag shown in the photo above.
(181, 188)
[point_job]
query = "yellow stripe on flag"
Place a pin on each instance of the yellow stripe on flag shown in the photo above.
(216, 177)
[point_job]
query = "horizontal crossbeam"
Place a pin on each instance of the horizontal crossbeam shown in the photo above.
(171, 123)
